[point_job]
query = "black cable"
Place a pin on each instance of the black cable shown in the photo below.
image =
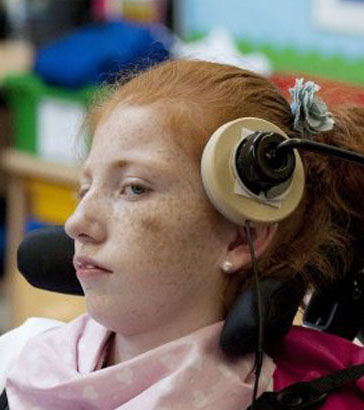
(259, 352)
(325, 149)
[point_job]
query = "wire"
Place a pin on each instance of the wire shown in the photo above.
(259, 352)
(325, 149)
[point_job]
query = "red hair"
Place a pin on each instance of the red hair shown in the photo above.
(317, 239)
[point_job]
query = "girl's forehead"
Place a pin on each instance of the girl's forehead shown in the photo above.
(160, 127)
(129, 118)
(137, 134)
(134, 125)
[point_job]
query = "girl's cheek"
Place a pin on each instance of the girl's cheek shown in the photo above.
(158, 224)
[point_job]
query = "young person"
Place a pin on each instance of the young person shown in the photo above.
(160, 266)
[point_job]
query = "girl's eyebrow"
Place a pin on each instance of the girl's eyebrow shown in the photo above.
(122, 163)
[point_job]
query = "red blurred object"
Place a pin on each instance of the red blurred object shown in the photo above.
(99, 8)
(332, 92)
(144, 11)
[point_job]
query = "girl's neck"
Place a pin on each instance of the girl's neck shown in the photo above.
(122, 348)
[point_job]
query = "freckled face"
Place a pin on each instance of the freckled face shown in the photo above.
(144, 216)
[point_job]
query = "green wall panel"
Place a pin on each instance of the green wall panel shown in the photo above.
(335, 68)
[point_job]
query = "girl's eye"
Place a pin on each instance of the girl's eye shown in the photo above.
(135, 189)
(130, 190)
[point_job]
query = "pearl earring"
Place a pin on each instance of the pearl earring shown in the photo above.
(227, 267)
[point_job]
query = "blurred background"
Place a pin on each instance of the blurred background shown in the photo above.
(55, 54)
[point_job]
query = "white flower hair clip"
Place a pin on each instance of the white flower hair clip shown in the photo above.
(311, 115)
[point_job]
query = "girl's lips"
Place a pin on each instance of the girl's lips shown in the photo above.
(91, 272)
(87, 267)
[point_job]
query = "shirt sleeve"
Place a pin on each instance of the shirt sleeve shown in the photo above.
(12, 342)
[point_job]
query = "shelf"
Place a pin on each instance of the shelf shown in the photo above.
(22, 164)
(16, 56)
(24, 300)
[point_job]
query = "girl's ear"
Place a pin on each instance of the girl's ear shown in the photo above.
(237, 255)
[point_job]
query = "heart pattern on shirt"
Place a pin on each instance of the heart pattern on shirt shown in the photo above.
(89, 392)
(225, 371)
(125, 376)
(199, 399)
(169, 360)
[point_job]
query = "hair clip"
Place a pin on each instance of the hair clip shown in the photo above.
(311, 115)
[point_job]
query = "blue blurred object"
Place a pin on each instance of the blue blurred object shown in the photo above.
(33, 224)
(98, 52)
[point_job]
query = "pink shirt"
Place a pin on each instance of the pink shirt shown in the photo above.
(59, 369)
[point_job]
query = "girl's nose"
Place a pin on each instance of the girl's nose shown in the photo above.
(86, 223)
